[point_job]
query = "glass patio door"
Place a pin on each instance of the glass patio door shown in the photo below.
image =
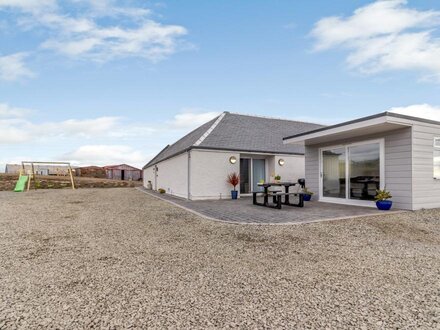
(364, 171)
(333, 173)
(245, 175)
(258, 173)
(353, 172)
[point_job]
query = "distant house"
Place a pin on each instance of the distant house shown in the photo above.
(123, 172)
(91, 172)
(196, 166)
(38, 169)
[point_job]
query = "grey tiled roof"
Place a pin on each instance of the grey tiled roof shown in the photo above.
(241, 133)
(181, 145)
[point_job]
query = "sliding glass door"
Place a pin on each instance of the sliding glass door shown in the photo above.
(364, 171)
(252, 171)
(245, 176)
(352, 172)
(258, 173)
(333, 173)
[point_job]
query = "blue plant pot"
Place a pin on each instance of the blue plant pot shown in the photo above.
(307, 197)
(234, 194)
(384, 205)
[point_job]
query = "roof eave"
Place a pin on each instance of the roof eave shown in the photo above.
(376, 123)
(223, 149)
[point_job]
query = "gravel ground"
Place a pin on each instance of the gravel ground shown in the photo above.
(117, 258)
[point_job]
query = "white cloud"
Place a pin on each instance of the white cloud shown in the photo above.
(17, 126)
(7, 111)
(385, 35)
(426, 111)
(28, 5)
(150, 40)
(192, 118)
(12, 67)
(102, 140)
(106, 155)
(20, 130)
(102, 31)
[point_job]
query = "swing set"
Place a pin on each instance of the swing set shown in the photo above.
(25, 178)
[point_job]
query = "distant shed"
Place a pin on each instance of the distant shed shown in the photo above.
(91, 172)
(123, 172)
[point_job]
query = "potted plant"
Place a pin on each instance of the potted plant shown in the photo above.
(307, 194)
(277, 178)
(233, 179)
(382, 199)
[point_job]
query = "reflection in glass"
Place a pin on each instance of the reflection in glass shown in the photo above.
(258, 173)
(364, 171)
(245, 173)
(333, 173)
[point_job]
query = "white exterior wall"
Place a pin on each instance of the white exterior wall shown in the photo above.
(293, 168)
(209, 170)
(148, 175)
(172, 175)
(398, 168)
(426, 189)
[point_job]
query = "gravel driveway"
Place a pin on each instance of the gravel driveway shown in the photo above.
(117, 258)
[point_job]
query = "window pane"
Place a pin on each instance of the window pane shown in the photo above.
(333, 173)
(258, 173)
(364, 171)
(245, 173)
(437, 163)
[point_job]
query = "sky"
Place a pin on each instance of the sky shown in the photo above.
(105, 82)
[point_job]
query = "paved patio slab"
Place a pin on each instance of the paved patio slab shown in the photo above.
(242, 211)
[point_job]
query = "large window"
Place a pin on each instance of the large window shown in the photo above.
(436, 157)
(364, 171)
(353, 172)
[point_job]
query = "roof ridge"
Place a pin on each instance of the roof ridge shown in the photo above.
(213, 126)
(277, 118)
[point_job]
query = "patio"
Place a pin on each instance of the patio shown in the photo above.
(242, 211)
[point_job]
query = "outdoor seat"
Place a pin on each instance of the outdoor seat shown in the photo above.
(276, 200)
(298, 193)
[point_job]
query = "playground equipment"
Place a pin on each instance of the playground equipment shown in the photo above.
(23, 178)
(21, 183)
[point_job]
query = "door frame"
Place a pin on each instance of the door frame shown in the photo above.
(346, 146)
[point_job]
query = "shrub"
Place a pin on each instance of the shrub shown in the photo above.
(233, 179)
(382, 195)
(161, 191)
(277, 177)
(306, 191)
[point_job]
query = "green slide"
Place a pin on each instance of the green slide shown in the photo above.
(21, 183)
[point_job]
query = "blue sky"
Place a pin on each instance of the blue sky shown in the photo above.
(103, 82)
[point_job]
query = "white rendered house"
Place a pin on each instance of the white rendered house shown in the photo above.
(347, 162)
(196, 166)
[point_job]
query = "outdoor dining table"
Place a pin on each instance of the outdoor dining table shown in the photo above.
(286, 185)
